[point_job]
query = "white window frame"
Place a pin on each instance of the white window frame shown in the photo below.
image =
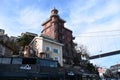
(46, 55)
(57, 58)
(56, 49)
(46, 48)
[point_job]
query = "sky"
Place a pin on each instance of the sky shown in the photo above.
(95, 23)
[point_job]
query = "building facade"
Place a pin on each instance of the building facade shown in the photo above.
(48, 48)
(115, 68)
(5, 50)
(29, 33)
(3, 37)
(54, 28)
(2, 32)
(13, 38)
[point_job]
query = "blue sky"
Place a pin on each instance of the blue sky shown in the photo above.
(95, 23)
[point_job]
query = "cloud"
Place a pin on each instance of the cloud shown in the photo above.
(91, 11)
(82, 17)
(30, 18)
(27, 19)
(19, 16)
(4, 24)
(95, 16)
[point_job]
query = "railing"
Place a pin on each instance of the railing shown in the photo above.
(27, 65)
(25, 68)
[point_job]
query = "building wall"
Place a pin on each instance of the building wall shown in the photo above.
(56, 54)
(13, 38)
(5, 51)
(29, 33)
(68, 36)
(115, 68)
(4, 38)
(40, 44)
(2, 32)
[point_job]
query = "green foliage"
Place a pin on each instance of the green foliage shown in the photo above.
(1, 41)
(91, 68)
(76, 61)
(108, 73)
(25, 40)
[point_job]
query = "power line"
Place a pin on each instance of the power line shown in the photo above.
(116, 35)
(102, 31)
(112, 33)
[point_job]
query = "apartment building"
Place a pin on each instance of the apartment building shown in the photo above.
(48, 48)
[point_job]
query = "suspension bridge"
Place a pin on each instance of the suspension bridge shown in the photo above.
(105, 54)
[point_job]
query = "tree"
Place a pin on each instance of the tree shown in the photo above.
(90, 67)
(82, 52)
(25, 40)
(76, 61)
(108, 73)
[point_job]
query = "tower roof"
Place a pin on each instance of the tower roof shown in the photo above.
(54, 11)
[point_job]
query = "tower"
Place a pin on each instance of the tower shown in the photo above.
(54, 28)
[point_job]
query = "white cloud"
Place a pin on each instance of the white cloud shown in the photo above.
(92, 11)
(31, 18)
(98, 41)
(4, 24)
(98, 16)
(82, 16)
(27, 19)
